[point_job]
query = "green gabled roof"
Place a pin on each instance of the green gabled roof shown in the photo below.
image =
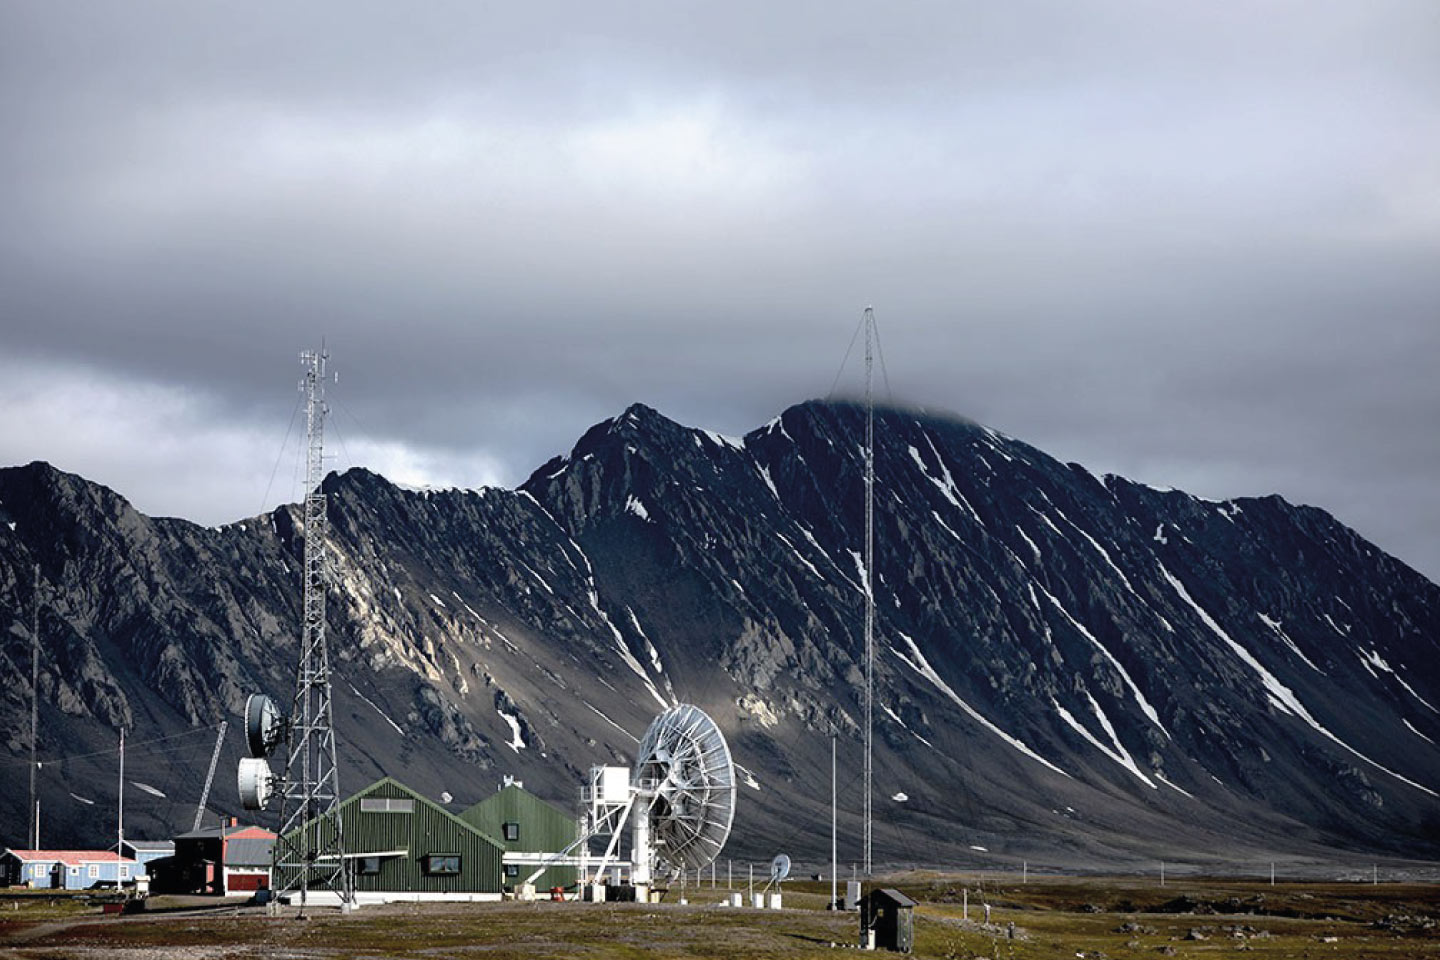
(355, 797)
(476, 810)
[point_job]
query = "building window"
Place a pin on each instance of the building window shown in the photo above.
(512, 870)
(368, 866)
(512, 831)
(38, 870)
(124, 871)
(74, 871)
(94, 871)
(387, 805)
(441, 864)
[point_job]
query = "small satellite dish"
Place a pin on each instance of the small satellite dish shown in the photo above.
(263, 725)
(256, 783)
(779, 868)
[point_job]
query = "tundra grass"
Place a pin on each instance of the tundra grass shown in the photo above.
(1053, 918)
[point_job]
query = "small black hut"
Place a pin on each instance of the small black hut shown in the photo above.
(891, 915)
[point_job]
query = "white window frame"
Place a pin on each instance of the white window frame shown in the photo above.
(387, 804)
(94, 872)
(39, 870)
(124, 871)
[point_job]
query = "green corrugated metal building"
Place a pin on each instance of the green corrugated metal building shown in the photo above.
(526, 824)
(399, 842)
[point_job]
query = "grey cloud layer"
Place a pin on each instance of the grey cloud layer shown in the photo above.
(1192, 244)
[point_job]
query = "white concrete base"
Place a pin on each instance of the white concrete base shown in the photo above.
(364, 898)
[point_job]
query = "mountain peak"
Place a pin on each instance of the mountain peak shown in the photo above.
(1163, 669)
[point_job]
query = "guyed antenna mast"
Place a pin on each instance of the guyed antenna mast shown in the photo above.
(34, 837)
(310, 850)
(869, 576)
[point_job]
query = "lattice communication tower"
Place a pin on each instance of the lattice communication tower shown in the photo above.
(310, 851)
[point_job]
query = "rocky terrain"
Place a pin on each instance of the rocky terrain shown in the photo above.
(1071, 669)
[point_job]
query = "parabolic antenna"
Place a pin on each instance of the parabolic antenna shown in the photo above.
(779, 868)
(683, 767)
(263, 725)
(256, 783)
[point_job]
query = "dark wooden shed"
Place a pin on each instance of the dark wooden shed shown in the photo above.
(891, 915)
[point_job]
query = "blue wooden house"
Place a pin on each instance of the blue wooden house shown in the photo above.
(67, 869)
(144, 851)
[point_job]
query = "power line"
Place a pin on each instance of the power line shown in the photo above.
(112, 750)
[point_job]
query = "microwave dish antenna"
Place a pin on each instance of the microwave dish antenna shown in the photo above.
(256, 782)
(264, 726)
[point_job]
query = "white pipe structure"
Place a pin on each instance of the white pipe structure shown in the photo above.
(641, 853)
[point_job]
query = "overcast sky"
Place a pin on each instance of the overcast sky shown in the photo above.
(1194, 244)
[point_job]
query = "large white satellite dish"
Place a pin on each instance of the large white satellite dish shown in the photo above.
(779, 868)
(684, 773)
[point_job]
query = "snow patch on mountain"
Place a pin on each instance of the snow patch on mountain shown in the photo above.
(1280, 695)
(623, 649)
(1031, 543)
(516, 742)
(864, 584)
(769, 481)
(916, 661)
(1172, 785)
(1116, 752)
(720, 440)
(373, 706)
(1274, 624)
(945, 483)
(799, 556)
(1129, 681)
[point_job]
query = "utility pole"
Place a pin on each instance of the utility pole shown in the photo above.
(34, 711)
(310, 850)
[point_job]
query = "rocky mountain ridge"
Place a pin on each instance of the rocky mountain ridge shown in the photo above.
(1070, 668)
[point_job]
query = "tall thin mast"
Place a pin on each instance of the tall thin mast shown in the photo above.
(34, 710)
(311, 849)
(834, 825)
(869, 578)
(120, 804)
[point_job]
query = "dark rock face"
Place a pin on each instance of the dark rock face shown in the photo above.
(1070, 669)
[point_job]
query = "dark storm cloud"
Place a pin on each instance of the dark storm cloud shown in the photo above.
(1188, 244)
